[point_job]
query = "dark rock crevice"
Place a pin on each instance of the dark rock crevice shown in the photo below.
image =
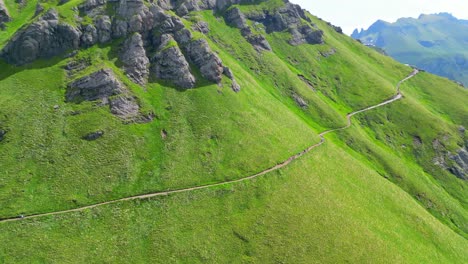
(4, 15)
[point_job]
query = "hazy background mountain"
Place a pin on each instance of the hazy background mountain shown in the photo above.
(436, 43)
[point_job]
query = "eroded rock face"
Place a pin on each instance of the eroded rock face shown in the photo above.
(96, 86)
(143, 24)
(103, 85)
(170, 64)
(125, 107)
(4, 14)
(42, 39)
(133, 56)
(210, 65)
(236, 18)
(460, 166)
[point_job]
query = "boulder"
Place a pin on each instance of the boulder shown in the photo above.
(44, 38)
(93, 135)
(99, 85)
(133, 56)
(169, 64)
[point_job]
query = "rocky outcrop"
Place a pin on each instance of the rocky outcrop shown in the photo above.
(170, 64)
(235, 18)
(103, 85)
(89, 36)
(201, 27)
(150, 29)
(305, 34)
(234, 85)
(4, 14)
(133, 56)
(104, 29)
(460, 164)
(42, 39)
(210, 65)
(300, 101)
(99, 85)
(125, 107)
(258, 41)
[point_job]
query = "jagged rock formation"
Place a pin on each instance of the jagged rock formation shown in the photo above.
(4, 14)
(456, 162)
(103, 85)
(99, 85)
(460, 166)
(170, 64)
(210, 65)
(42, 39)
(150, 29)
(133, 56)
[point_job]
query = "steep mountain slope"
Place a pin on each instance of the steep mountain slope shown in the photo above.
(121, 98)
(436, 43)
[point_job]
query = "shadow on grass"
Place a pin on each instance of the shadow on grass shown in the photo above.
(7, 70)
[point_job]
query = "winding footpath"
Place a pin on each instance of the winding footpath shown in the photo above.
(398, 96)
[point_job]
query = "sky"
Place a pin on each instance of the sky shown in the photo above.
(363, 13)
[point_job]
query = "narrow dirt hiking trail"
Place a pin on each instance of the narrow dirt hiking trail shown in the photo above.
(398, 96)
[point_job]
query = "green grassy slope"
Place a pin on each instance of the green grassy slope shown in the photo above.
(368, 195)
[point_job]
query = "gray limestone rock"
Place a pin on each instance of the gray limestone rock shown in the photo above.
(201, 55)
(4, 14)
(170, 64)
(99, 85)
(202, 27)
(259, 42)
(235, 86)
(236, 18)
(90, 36)
(460, 166)
(228, 73)
(133, 56)
(93, 135)
(92, 7)
(39, 9)
(183, 36)
(300, 101)
(124, 107)
(44, 38)
(104, 29)
(305, 34)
